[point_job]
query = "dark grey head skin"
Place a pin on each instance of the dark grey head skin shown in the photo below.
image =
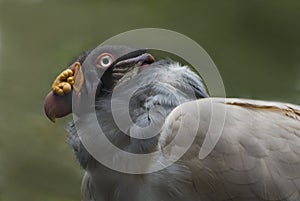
(163, 84)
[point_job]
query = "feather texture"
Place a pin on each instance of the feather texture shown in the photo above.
(257, 156)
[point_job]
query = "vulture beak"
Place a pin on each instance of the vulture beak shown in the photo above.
(58, 102)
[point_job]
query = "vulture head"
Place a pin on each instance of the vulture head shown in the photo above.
(155, 89)
(109, 63)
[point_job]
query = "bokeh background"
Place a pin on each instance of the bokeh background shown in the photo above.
(255, 44)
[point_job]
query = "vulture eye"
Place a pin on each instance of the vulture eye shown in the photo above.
(104, 60)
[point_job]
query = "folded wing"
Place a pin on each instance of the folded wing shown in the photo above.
(251, 148)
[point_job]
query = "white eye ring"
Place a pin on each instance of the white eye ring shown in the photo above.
(104, 60)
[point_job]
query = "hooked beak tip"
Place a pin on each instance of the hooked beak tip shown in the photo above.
(57, 106)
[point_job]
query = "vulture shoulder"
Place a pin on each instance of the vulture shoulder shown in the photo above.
(243, 149)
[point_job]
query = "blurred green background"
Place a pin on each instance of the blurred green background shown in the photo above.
(255, 44)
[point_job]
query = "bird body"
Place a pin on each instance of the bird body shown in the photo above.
(240, 150)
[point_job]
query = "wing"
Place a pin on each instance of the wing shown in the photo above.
(251, 148)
